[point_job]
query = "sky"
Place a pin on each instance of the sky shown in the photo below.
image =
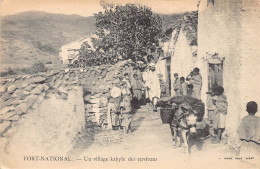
(88, 7)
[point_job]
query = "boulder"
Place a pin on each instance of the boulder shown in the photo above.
(87, 97)
(38, 89)
(3, 89)
(95, 105)
(11, 102)
(57, 83)
(96, 100)
(21, 108)
(37, 79)
(103, 102)
(30, 87)
(30, 100)
(6, 109)
(14, 118)
(103, 110)
(7, 115)
(20, 94)
(25, 84)
(4, 126)
(12, 88)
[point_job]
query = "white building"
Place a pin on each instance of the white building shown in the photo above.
(70, 51)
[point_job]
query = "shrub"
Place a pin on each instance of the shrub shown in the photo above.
(38, 67)
(8, 72)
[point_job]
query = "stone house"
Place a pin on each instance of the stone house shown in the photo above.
(228, 53)
(225, 46)
(180, 52)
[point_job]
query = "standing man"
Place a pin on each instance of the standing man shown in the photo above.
(153, 85)
(176, 84)
(196, 81)
(137, 90)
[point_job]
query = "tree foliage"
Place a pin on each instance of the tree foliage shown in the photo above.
(125, 32)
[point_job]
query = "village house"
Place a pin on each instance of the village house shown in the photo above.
(70, 52)
(228, 53)
(180, 52)
(222, 41)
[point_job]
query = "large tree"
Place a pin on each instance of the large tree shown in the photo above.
(127, 32)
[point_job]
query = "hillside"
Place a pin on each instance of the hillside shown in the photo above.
(37, 36)
(34, 36)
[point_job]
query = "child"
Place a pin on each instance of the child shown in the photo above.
(126, 116)
(249, 131)
(190, 92)
(183, 89)
(176, 84)
(220, 106)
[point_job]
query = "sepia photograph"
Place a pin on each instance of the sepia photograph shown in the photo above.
(129, 84)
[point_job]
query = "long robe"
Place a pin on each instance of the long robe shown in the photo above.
(196, 81)
(177, 87)
(153, 83)
(220, 111)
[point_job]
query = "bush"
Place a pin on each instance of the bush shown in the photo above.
(38, 67)
(35, 68)
(8, 72)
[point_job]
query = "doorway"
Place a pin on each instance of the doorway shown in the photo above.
(215, 75)
(168, 81)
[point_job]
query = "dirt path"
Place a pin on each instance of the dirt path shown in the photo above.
(151, 140)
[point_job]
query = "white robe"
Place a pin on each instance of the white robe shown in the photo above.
(153, 83)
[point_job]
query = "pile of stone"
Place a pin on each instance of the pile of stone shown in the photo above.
(96, 95)
(97, 105)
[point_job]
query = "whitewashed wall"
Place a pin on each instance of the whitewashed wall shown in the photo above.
(231, 31)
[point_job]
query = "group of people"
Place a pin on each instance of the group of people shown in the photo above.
(125, 94)
(129, 91)
(192, 89)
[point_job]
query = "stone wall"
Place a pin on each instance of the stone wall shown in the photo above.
(53, 102)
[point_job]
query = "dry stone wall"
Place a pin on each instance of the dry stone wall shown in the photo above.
(20, 95)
